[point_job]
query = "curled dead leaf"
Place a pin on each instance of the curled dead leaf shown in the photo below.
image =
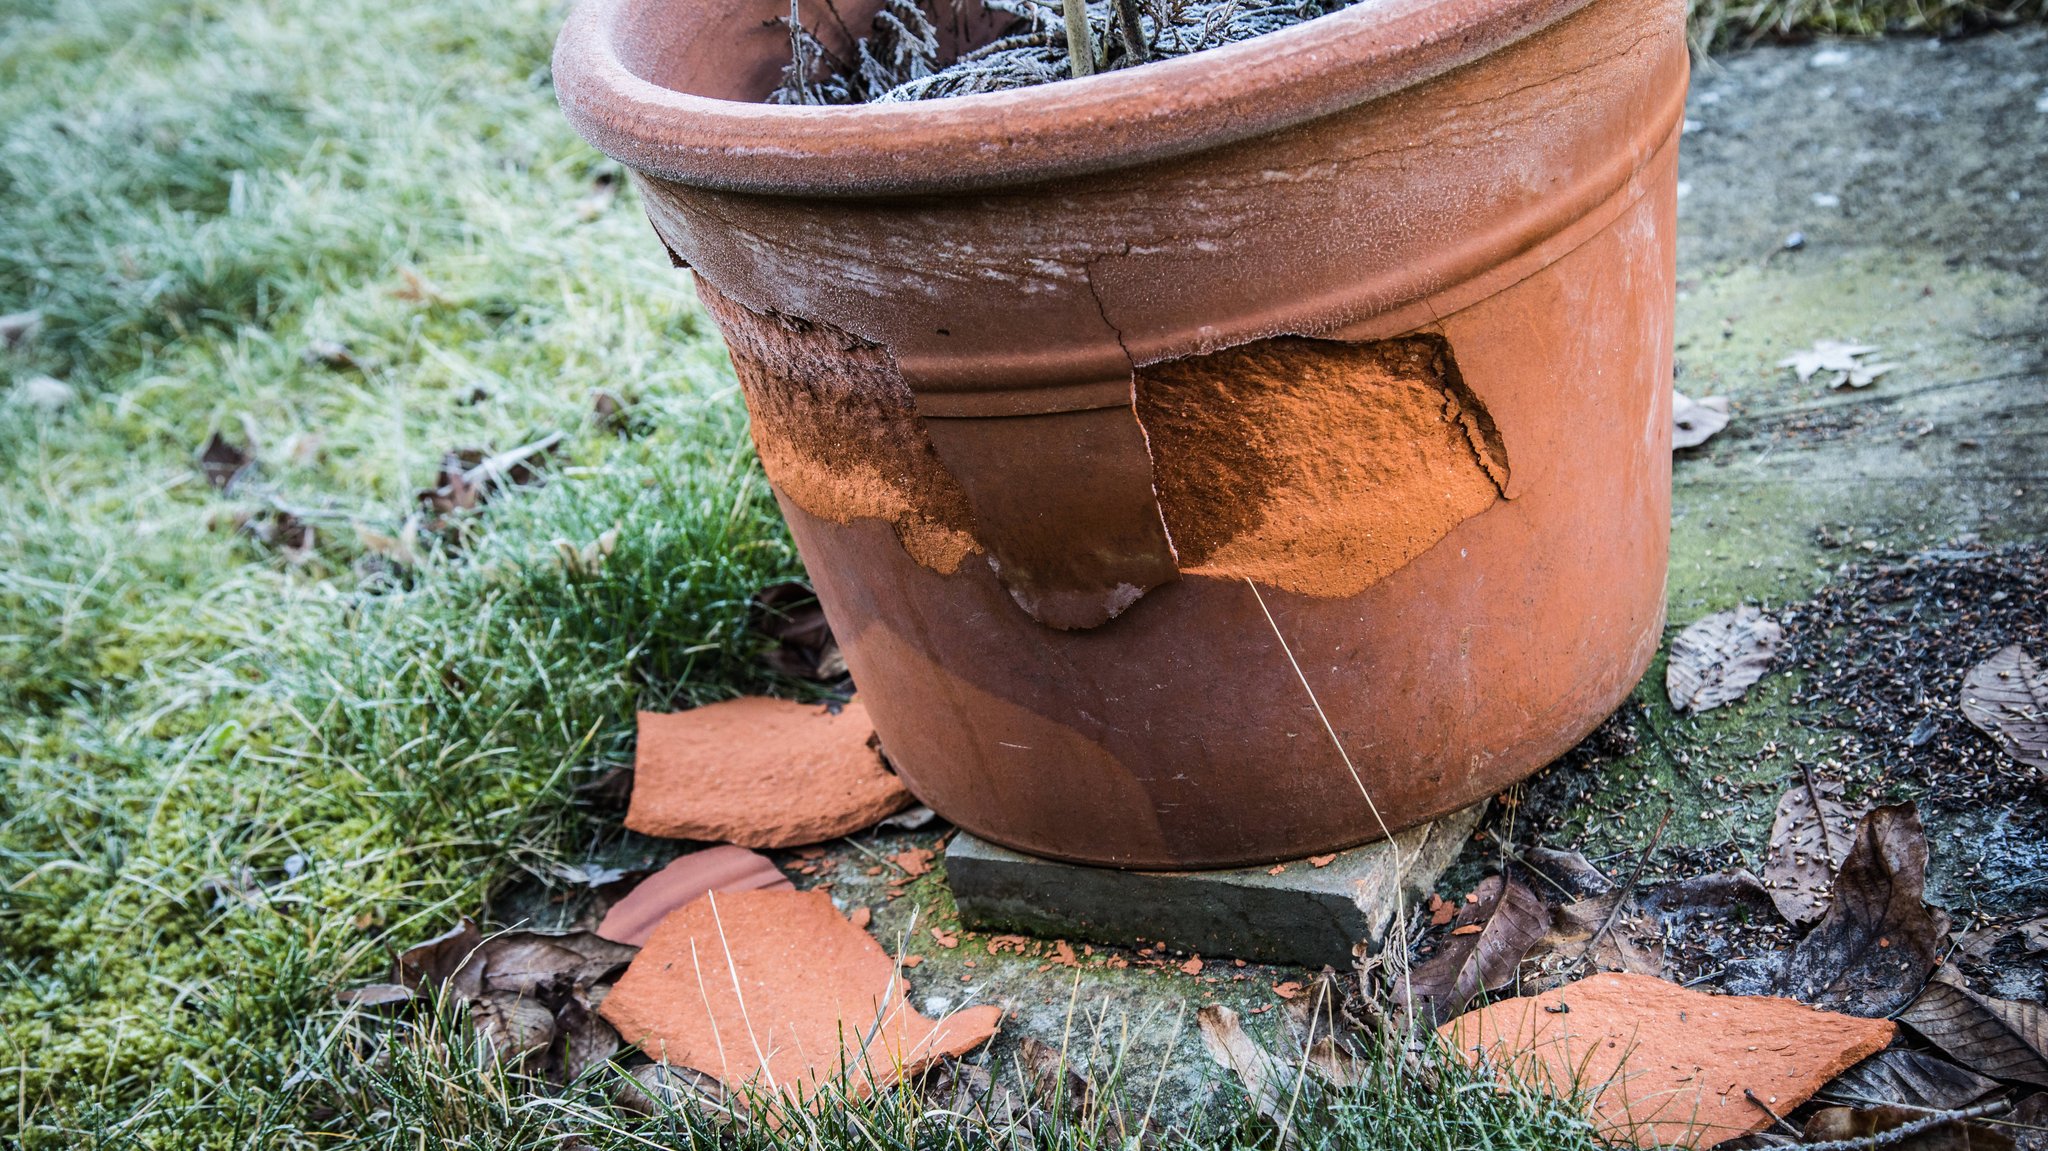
(1510, 918)
(1694, 422)
(1996, 1037)
(1808, 843)
(2006, 697)
(1877, 944)
(1910, 1128)
(1912, 1078)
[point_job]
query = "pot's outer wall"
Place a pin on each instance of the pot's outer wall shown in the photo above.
(1521, 207)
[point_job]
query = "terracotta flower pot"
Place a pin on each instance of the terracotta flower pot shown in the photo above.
(1369, 318)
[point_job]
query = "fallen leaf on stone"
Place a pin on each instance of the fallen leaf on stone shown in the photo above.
(1913, 1078)
(1694, 422)
(1715, 660)
(1720, 893)
(1510, 919)
(17, 329)
(1570, 870)
(760, 773)
(1665, 1065)
(469, 476)
(776, 988)
(789, 614)
(1606, 932)
(328, 354)
(1875, 947)
(1263, 1077)
(1996, 1037)
(909, 819)
(1843, 359)
(1053, 1080)
(1808, 844)
(2006, 697)
(1861, 1124)
(222, 462)
(723, 868)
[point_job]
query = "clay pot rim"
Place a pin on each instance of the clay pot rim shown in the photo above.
(1112, 120)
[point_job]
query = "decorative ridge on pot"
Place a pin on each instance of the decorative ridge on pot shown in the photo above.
(614, 58)
(1365, 322)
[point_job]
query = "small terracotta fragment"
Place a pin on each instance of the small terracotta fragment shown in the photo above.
(764, 987)
(1669, 1065)
(684, 881)
(760, 772)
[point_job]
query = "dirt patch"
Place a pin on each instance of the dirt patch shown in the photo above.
(838, 431)
(1884, 649)
(1314, 466)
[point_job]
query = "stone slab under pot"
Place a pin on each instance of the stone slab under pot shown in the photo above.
(1131, 427)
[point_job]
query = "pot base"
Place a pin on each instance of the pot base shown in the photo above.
(1295, 913)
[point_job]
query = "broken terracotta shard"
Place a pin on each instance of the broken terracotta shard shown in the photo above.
(777, 990)
(724, 868)
(760, 773)
(1665, 1065)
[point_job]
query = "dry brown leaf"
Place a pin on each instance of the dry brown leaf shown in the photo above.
(2006, 696)
(1913, 1078)
(469, 476)
(1570, 870)
(1808, 845)
(443, 961)
(548, 965)
(222, 462)
(662, 1089)
(1714, 661)
(777, 988)
(1263, 1077)
(513, 1027)
(1666, 1065)
(1694, 422)
(1510, 918)
(1995, 1037)
(1875, 947)
(587, 1040)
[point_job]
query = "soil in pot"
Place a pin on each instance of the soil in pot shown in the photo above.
(902, 56)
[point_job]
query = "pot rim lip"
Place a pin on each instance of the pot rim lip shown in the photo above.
(1101, 123)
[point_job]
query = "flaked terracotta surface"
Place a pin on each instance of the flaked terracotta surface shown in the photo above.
(1314, 466)
(1668, 1066)
(760, 772)
(686, 879)
(764, 987)
(837, 431)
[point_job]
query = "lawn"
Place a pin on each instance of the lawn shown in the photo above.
(234, 773)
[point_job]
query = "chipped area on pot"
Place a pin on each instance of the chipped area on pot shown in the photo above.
(837, 432)
(1313, 466)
